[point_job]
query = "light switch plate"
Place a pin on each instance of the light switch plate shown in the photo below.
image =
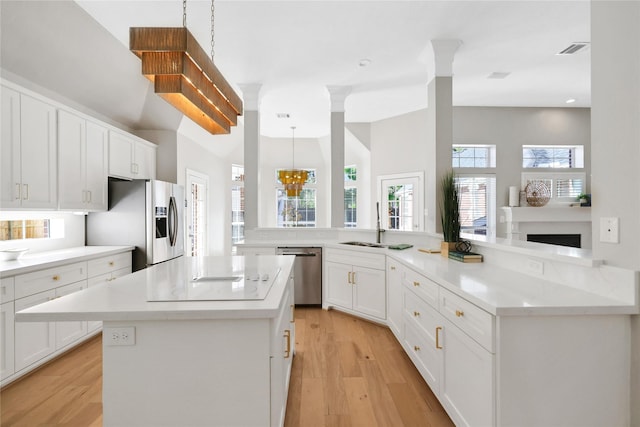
(609, 230)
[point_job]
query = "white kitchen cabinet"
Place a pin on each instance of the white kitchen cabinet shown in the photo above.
(438, 331)
(82, 163)
(33, 340)
(130, 157)
(394, 296)
(7, 365)
(356, 281)
(105, 270)
(281, 360)
(28, 152)
(69, 332)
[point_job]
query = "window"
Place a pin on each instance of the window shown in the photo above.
(350, 197)
(473, 156)
(564, 186)
(477, 204)
(25, 229)
(401, 201)
(237, 203)
(553, 156)
(296, 211)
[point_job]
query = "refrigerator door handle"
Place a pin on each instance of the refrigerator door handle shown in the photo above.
(173, 220)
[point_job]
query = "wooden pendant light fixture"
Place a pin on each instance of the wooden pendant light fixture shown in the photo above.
(185, 76)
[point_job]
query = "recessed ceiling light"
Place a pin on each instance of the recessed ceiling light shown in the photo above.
(283, 115)
(364, 62)
(570, 101)
(498, 75)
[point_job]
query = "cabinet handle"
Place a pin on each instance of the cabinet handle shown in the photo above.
(438, 329)
(18, 191)
(416, 283)
(416, 313)
(88, 196)
(25, 192)
(56, 278)
(416, 348)
(293, 310)
(111, 263)
(393, 267)
(459, 313)
(287, 335)
(353, 277)
(349, 277)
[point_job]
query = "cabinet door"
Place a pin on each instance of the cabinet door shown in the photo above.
(467, 390)
(10, 180)
(280, 366)
(33, 340)
(69, 332)
(370, 291)
(38, 154)
(71, 164)
(7, 366)
(338, 283)
(96, 156)
(144, 161)
(120, 155)
(394, 297)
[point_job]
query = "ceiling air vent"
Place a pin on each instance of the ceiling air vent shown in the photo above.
(283, 115)
(573, 48)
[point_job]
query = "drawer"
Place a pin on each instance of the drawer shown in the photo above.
(421, 314)
(107, 264)
(427, 358)
(351, 257)
(7, 290)
(422, 286)
(474, 321)
(108, 277)
(50, 278)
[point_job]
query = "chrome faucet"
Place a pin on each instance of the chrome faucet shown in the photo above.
(379, 230)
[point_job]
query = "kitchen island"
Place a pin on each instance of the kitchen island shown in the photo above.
(193, 341)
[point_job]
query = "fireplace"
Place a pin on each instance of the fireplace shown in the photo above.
(572, 240)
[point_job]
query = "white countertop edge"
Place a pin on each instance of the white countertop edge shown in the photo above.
(566, 310)
(40, 260)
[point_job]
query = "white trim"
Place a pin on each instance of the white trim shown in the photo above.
(420, 218)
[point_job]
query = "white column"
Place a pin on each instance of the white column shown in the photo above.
(615, 146)
(338, 95)
(440, 127)
(251, 100)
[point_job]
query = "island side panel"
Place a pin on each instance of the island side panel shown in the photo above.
(188, 372)
(563, 370)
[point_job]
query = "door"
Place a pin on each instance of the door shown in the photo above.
(402, 203)
(158, 209)
(176, 220)
(339, 286)
(196, 213)
(370, 291)
(10, 180)
(96, 157)
(71, 161)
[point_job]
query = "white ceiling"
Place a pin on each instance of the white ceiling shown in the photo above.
(296, 48)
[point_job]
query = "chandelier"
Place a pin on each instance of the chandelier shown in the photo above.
(293, 179)
(184, 75)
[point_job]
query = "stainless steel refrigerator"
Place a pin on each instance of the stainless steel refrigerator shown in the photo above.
(147, 214)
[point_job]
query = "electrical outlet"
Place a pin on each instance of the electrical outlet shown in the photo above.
(609, 230)
(535, 266)
(119, 336)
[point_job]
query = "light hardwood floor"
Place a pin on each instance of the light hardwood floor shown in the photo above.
(346, 372)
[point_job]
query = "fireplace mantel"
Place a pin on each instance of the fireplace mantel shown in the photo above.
(547, 220)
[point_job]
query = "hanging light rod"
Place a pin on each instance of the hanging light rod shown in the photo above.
(185, 77)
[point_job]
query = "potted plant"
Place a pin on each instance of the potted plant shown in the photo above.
(449, 213)
(584, 199)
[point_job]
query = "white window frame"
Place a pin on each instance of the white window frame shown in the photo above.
(349, 185)
(578, 156)
(490, 201)
(418, 196)
(236, 183)
(554, 177)
(491, 158)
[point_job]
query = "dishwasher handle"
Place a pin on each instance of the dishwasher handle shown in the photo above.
(297, 253)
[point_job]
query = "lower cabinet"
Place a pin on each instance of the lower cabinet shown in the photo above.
(394, 296)
(356, 281)
(26, 345)
(283, 341)
(457, 368)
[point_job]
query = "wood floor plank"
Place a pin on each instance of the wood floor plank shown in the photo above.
(384, 409)
(312, 402)
(359, 401)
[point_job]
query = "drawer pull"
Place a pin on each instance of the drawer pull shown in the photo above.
(416, 313)
(56, 278)
(438, 329)
(287, 335)
(416, 348)
(293, 316)
(393, 267)
(111, 263)
(416, 283)
(459, 313)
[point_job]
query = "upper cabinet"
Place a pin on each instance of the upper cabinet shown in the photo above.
(27, 153)
(131, 157)
(82, 163)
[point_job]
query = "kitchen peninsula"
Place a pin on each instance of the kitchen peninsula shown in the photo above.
(192, 341)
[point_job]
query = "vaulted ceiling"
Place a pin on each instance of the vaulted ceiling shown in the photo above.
(296, 48)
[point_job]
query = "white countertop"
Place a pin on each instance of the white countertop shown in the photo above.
(38, 260)
(125, 299)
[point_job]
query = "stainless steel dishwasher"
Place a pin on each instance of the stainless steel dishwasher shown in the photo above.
(307, 274)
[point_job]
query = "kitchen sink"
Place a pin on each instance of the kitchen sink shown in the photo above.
(366, 244)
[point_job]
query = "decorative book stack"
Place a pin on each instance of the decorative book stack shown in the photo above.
(465, 256)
